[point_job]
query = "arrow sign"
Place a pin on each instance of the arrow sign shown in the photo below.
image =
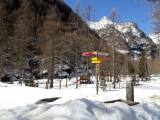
(101, 54)
(96, 58)
(87, 54)
(97, 62)
(95, 54)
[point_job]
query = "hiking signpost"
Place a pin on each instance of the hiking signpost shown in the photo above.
(96, 58)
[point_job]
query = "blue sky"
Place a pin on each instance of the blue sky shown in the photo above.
(138, 11)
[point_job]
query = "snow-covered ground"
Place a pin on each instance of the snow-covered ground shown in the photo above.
(83, 109)
(18, 102)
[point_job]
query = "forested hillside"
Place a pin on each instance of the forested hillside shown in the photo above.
(37, 34)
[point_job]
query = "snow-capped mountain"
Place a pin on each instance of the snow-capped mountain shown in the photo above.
(103, 23)
(155, 37)
(122, 27)
(126, 36)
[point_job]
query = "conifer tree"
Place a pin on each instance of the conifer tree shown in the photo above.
(2, 31)
(132, 71)
(4, 36)
(131, 68)
(143, 67)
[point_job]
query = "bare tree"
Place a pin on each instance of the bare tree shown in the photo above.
(87, 14)
(50, 33)
(114, 17)
(87, 17)
(77, 10)
(21, 27)
(157, 26)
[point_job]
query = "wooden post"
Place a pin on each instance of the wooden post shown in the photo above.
(60, 83)
(130, 91)
(97, 78)
(66, 83)
(47, 84)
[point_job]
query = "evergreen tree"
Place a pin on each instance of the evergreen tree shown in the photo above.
(143, 67)
(3, 32)
(5, 55)
(131, 69)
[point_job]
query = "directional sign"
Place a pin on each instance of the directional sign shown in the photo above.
(95, 54)
(101, 54)
(97, 62)
(96, 58)
(87, 54)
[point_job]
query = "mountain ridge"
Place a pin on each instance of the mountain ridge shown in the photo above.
(132, 37)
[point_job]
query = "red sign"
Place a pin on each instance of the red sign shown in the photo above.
(87, 54)
(95, 54)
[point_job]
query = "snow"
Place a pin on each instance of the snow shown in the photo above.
(122, 27)
(154, 37)
(128, 27)
(45, 71)
(83, 109)
(18, 102)
(122, 51)
(101, 24)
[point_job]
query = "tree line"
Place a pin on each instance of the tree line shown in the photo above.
(37, 35)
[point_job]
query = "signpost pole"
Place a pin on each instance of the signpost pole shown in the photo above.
(97, 78)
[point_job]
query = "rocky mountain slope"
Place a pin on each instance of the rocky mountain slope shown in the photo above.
(126, 37)
(155, 37)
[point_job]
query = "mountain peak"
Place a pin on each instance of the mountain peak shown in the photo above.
(101, 24)
(122, 27)
(105, 20)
